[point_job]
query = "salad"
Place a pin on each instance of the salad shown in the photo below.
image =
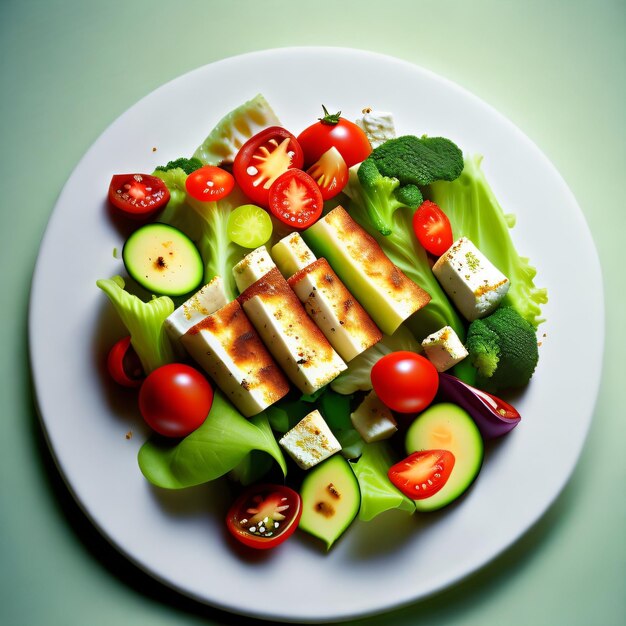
(327, 320)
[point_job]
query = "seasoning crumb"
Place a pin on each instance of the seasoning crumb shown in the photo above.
(129, 434)
(154, 149)
(115, 253)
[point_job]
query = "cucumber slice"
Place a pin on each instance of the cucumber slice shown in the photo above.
(234, 129)
(163, 260)
(330, 499)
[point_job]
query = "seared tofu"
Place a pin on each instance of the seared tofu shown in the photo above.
(297, 344)
(206, 301)
(344, 322)
(373, 420)
(473, 283)
(229, 349)
(381, 287)
(310, 441)
(252, 268)
(378, 126)
(291, 255)
(444, 349)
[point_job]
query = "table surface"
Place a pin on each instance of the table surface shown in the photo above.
(69, 68)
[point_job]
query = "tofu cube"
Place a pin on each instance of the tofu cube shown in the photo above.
(310, 441)
(209, 299)
(252, 268)
(373, 420)
(444, 349)
(473, 283)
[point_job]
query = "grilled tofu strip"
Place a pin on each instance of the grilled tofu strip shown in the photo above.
(296, 343)
(228, 348)
(344, 322)
(385, 292)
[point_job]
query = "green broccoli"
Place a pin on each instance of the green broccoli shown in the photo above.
(503, 348)
(392, 173)
(187, 165)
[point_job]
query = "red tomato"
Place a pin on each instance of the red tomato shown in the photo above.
(295, 199)
(138, 196)
(332, 131)
(264, 516)
(175, 399)
(423, 473)
(405, 381)
(432, 228)
(124, 365)
(262, 159)
(209, 183)
(330, 172)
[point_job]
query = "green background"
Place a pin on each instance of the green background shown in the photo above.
(68, 69)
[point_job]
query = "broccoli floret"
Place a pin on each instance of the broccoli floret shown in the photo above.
(503, 348)
(392, 173)
(187, 165)
(418, 160)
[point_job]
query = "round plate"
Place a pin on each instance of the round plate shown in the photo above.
(94, 430)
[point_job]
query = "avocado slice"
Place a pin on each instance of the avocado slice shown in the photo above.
(330, 499)
(163, 260)
(446, 426)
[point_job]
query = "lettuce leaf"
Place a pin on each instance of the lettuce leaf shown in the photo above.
(474, 212)
(220, 445)
(144, 322)
(377, 493)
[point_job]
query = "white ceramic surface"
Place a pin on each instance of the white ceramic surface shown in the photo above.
(178, 537)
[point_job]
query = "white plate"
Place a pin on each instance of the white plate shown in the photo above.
(178, 537)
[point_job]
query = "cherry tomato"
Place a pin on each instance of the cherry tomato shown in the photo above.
(264, 516)
(262, 159)
(209, 183)
(295, 199)
(330, 172)
(332, 131)
(405, 381)
(432, 228)
(138, 196)
(175, 399)
(423, 473)
(124, 365)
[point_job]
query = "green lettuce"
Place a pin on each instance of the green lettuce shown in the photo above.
(144, 322)
(220, 445)
(474, 212)
(206, 224)
(377, 493)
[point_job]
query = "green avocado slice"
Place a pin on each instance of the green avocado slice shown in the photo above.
(446, 426)
(330, 499)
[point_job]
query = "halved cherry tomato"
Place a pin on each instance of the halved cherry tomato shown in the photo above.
(330, 172)
(138, 196)
(175, 399)
(432, 228)
(262, 159)
(334, 131)
(405, 381)
(124, 365)
(423, 473)
(264, 516)
(295, 199)
(209, 183)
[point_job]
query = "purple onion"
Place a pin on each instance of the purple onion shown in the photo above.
(493, 416)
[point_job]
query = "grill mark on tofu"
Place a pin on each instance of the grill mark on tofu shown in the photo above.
(235, 332)
(376, 265)
(350, 314)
